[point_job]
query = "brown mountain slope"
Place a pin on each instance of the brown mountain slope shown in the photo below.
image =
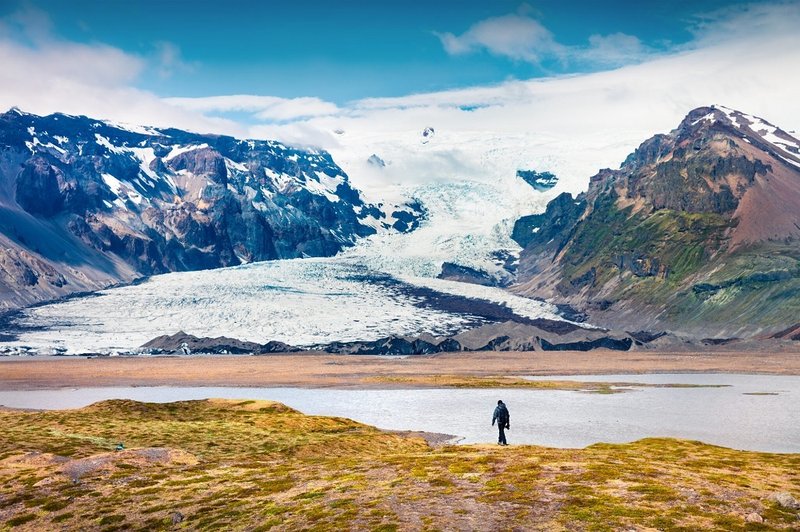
(699, 230)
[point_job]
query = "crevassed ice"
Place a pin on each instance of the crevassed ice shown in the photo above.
(300, 302)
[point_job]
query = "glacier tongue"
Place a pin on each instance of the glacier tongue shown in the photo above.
(298, 301)
(313, 301)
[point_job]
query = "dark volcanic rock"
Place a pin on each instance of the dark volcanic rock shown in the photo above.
(180, 342)
(718, 341)
(38, 188)
(645, 337)
(554, 225)
(790, 333)
(465, 274)
(409, 219)
(622, 344)
(506, 336)
(449, 345)
(540, 181)
(392, 345)
(376, 161)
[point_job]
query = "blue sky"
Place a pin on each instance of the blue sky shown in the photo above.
(299, 71)
(344, 51)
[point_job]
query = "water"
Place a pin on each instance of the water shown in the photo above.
(723, 416)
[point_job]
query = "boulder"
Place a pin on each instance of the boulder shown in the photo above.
(754, 518)
(785, 500)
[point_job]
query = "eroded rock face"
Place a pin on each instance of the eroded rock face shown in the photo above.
(38, 188)
(182, 343)
(465, 274)
(554, 225)
(206, 162)
(540, 181)
(21, 269)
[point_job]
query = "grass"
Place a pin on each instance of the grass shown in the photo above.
(257, 465)
(459, 381)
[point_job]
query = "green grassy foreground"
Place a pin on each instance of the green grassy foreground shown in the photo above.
(254, 465)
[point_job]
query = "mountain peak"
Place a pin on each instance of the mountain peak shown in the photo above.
(749, 128)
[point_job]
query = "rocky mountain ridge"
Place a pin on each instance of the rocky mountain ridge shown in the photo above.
(85, 204)
(698, 231)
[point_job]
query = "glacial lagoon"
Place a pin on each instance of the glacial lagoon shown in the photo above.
(750, 412)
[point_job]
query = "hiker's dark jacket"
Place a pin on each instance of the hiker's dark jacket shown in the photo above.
(501, 415)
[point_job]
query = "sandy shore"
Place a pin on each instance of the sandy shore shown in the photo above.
(323, 370)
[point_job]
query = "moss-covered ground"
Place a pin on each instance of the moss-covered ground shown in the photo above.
(460, 381)
(253, 465)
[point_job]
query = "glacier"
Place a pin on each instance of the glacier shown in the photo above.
(467, 184)
(297, 301)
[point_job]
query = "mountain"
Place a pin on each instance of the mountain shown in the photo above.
(697, 231)
(86, 203)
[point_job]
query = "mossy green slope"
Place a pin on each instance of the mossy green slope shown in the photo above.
(247, 465)
(671, 262)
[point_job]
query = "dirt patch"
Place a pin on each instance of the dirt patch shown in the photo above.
(434, 439)
(131, 459)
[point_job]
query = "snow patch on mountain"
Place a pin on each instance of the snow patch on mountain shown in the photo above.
(178, 150)
(788, 147)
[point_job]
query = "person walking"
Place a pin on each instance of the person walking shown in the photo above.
(503, 419)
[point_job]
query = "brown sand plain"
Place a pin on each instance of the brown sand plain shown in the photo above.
(359, 371)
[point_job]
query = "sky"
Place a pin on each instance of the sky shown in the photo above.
(348, 50)
(300, 71)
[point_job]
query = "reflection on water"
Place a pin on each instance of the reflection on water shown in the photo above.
(729, 416)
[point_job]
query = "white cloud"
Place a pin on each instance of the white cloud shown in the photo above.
(169, 60)
(268, 108)
(26, 24)
(614, 50)
(522, 37)
(747, 21)
(44, 74)
(515, 36)
(26, 39)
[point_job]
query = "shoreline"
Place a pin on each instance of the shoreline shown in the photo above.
(314, 370)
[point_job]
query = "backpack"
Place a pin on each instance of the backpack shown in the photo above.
(502, 414)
